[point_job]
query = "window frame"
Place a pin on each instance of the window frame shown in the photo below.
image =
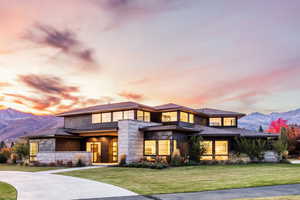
(221, 121)
(93, 118)
(184, 113)
(171, 147)
(33, 157)
(214, 155)
(176, 120)
(235, 121)
(111, 117)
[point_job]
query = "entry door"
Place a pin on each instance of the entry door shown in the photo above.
(95, 149)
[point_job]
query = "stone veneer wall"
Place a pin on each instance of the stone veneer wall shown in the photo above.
(45, 144)
(65, 156)
(131, 140)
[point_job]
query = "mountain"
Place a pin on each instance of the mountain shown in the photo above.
(14, 124)
(254, 120)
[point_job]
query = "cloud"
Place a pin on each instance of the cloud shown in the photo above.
(249, 88)
(65, 41)
(48, 84)
(51, 94)
(131, 96)
(124, 11)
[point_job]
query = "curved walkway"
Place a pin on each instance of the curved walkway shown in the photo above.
(37, 186)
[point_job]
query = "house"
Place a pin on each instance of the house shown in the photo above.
(103, 133)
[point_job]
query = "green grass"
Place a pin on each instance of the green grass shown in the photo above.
(277, 198)
(7, 167)
(7, 192)
(195, 178)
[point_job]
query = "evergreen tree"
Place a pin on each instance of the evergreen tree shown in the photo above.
(261, 130)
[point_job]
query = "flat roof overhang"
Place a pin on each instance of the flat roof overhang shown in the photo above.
(168, 128)
(102, 132)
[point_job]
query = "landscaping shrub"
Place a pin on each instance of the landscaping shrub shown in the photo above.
(60, 163)
(52, 164)
(254, 148)
(281, 145)
(196, 150)
(145, 164)
(70, 164)
(80, 163)
(21, 149)
(3, 158)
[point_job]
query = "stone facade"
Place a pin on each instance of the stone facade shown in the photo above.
(45, 144)
(65, 156)
(131, 140)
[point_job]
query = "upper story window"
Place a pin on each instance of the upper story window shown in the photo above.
(169, 117)
(129, 114)
(191, 118)
(117, 116)
(216, 121)
(229, 121)
(184, 117)
(96, 118)
(106, 117)
(143, 116)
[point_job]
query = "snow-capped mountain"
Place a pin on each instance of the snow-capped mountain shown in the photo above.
(14, 124)
(254, 120)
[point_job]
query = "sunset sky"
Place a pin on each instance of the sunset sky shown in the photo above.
(237, 55)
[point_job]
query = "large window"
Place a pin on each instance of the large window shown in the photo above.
(158, 147)
(143, 116)
(169, 117)
(216, 121)
(191, 118)
(150, 147)
(129, 114)
(106, 117)
(184, 117)
(215, 149)
(96, 118)
(229, 121)
(33, 150)
(117, 116)
(164, 147)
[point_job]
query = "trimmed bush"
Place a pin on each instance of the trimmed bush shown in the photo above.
(3, 158)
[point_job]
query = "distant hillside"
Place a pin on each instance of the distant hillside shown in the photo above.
(14, 124)
(254, 120)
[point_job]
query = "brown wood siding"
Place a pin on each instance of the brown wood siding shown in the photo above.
(85, 122)
(63, 144)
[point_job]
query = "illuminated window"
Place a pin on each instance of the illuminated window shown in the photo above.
(208, 146)
(191, 119)
(221, 147)
(117, 116)
(33, 150)
(140, 115)
(106, 117)
(169, 117)
(184, 117)
(229, 121)
(215, 121)
(129, 114)
(96, 118)
(164, 147)
(147, 116)
(150, 147)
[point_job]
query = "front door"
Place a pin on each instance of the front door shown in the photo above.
(95, 149)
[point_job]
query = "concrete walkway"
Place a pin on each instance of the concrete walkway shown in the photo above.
(37, 186)
(255, 192)
(295, 161)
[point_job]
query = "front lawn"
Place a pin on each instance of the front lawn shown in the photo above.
(7, 192)
(8, 167)
(194, 178)
(277, 198)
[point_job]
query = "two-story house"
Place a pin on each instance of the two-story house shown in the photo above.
(103, 133)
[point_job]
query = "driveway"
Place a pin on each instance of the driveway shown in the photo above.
(37, 186)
